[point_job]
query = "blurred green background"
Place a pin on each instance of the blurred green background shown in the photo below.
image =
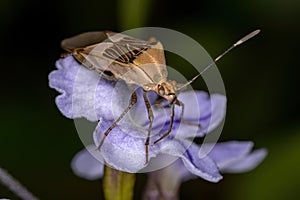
(37, 143)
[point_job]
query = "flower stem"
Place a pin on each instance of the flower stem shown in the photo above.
(15, 186)
(118, 185)
(133, 13)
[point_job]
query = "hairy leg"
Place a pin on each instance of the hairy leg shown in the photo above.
(151, 117)
(170, 126)
(132, 102)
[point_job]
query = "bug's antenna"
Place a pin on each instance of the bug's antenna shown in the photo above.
(242, 40)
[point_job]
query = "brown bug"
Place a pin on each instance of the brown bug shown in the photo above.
(143, 62)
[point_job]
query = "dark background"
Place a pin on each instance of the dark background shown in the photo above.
(37, 143)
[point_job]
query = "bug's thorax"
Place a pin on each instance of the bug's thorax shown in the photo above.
(165, 89)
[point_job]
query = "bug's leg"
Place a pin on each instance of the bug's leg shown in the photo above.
(63, 55)
(158, 101)
(170, 126)
(181, 115)
(132, 102)
(151, 117)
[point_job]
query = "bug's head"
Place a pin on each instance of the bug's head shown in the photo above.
(166, 89)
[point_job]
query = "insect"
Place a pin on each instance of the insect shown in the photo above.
(112, 55)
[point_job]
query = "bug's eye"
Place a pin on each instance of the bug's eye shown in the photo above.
(161, 91)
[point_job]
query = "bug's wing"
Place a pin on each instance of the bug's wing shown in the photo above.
(80, 46)
(94, 57)
(147, 55)
(153, 63)
(83, 40)
(115, 55)
(92, 60)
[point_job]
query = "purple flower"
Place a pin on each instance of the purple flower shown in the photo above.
(84, 94)
(230, 157)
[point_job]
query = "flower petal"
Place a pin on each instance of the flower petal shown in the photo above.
(218, 109)
(197, 104)
(122, 151)
(78, 86)
(202, 110)
(124, 148)
(85, 93)
(86, 163)
(225, 152)
(206, 168)
(138, 116)
(235, 156)
(246, 163)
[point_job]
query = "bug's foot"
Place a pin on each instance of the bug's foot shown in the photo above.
(100, 144)
(190, 123)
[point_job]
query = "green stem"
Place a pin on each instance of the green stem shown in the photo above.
(118, 185)
(134, 13)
